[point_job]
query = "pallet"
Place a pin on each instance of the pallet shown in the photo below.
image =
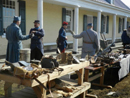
(80, 89)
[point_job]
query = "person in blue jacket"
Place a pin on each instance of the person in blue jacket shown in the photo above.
(62, 38)
(126, 37)
(14, 37)
(37, 41)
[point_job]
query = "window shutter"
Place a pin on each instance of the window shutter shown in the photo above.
(102, 23)
(22, 13)
(95, 23)
(107, 31)
(73, 19)
(123, 24)
(119, 25)
(63, 15)
(84, 22)
(1, 17)
(109, 1)
(127, 24)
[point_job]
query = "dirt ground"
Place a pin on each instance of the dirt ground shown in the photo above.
(122, 88)
(15, 88)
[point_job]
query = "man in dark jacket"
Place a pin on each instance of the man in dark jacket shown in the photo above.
(126, 37)
(62, 38)
(37, 41)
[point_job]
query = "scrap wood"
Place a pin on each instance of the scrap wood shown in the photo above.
(65, 88)
(65, 94)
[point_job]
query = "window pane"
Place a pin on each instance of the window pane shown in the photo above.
(8, 12)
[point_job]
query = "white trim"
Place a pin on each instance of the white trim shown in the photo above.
(67, 8)
(76, 29)
(53, 44)
(16, 7)
(93, 5)
(40, 12)
(111, 38)
(89, 15)
(71, 24)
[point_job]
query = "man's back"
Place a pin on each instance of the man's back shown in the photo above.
(92, 35)
(11, 33)
(87, 41)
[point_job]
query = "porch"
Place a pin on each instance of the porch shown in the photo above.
(107, 19)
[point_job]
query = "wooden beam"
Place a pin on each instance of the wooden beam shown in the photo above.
(14, 79)
(94, 77)
(80, 81)
(40, 91)
(106, 86)
(91, 96)
(102, 77)
(8, 89)
(86, 75)
(80, 89)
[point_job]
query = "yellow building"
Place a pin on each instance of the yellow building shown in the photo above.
(108, 16)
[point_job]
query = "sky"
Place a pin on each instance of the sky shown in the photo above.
(127, 2)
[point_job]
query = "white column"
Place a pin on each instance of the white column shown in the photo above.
(99, 24)
(40, 12)
(76, 26)
(125, 23)
(16, 8)
(114, 28)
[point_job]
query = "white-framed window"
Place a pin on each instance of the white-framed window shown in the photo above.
(121, 25)
(89, 19)
(105, 24)
(69, 18)
(128, 24)
(10, 9)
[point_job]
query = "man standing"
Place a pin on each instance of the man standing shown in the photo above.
(37, 41)
(90, 41)
(126, 37)
(62, 38)
(14, 37)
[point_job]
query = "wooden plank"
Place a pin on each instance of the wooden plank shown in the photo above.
(84, 87)
(14, 79)
(102, 77)
(8, 89)
(94, 77)
(91, 96)
(92, 68)
(106, 86)
(81, 76)
(86, 75)
(40, 91)
(80, 81)
(56, 74)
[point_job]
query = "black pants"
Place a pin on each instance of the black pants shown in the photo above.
(36, 54)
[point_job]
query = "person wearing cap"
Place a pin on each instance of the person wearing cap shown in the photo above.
(37, 41)
(14, 37)
(126, 37)
(62, 38)
(90, 41)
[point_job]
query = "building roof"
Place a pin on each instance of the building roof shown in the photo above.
(117, 3)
